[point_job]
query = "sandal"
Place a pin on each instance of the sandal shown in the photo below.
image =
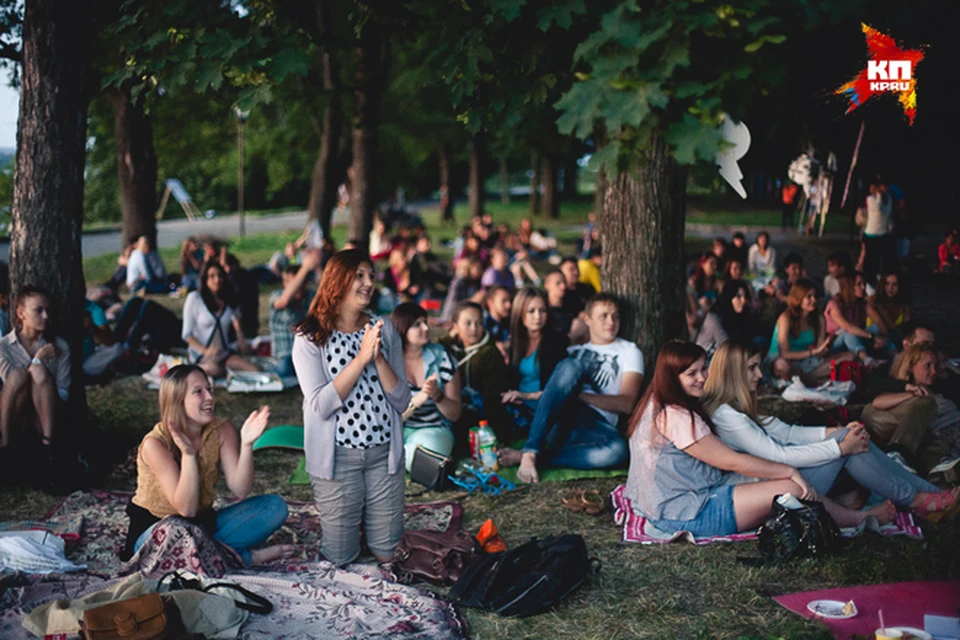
(593, 503)
(940, 505)
(573, 500)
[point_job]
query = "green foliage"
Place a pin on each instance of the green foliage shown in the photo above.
(670, 68)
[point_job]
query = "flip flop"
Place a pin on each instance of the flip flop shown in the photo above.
(573, 500)
(593, 503)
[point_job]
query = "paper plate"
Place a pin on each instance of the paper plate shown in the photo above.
(912, 632)
(832, 609)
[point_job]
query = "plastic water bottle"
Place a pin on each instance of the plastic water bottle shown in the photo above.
(487, 447)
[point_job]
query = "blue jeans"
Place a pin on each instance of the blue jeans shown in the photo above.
(872, 469)
(849, 342)
(570, 432)
(243, 525)
(284, 367)
(717, 516)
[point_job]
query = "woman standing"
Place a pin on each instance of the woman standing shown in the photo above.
(431, 374)
(350, 368)
(177, 471)
(207, 317)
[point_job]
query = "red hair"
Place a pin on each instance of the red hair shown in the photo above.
(665, 389)
(338, 277)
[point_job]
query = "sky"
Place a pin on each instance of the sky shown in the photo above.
(9, 104)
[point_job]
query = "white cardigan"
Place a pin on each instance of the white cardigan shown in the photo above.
(778, 441)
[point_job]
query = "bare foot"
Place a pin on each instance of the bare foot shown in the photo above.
(509, 457)
(528, 468)
(272, 554)
(884, 512)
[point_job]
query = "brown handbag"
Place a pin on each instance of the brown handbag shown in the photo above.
(140, 618)
(437, 557)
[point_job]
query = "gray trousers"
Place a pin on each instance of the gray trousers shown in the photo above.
(873, 469)
(360, 490)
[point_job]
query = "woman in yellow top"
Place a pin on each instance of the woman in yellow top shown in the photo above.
(177, 471)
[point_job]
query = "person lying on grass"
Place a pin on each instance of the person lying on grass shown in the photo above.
(177, 472)
(680, 471)
(820, 453)
(575, 422)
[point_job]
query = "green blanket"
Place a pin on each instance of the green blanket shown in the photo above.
(546, 475)
(285, 436)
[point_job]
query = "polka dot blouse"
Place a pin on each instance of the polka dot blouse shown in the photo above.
(364, 420)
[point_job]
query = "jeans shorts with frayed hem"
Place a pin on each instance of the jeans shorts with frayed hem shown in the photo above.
(716, 517)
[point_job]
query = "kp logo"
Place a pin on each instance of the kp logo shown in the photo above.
(889, 70)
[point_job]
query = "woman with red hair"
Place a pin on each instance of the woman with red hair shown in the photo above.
(680, 472)
(349, 365)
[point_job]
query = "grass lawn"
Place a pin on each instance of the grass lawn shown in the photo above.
(669, 591)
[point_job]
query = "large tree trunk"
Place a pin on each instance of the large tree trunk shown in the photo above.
(136, 167)
(600, 193)
(642, 234)
(446, 197)
(369, 82)
(48, 184)
(551, 198)
(476, 176)
(534, 182)
(328, 170)
(504, 181)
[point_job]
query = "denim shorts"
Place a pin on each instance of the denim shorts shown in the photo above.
(716, 517)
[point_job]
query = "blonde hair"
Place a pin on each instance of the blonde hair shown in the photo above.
(905, 362)
(173, 392)
(727, 382)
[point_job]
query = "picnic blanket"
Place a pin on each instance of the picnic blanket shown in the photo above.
(636, 528)
(312, 599)
(903, 603)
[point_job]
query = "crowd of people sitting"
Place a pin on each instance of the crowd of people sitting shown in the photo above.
(394, 350)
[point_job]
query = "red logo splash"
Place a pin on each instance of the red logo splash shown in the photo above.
(889, 69)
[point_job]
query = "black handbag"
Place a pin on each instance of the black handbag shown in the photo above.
(791, 533)
(430, 469)
(254, 603)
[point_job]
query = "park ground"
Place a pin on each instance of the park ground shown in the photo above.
(667, 591)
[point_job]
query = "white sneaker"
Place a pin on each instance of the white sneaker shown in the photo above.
(897, 457)
(946, 470)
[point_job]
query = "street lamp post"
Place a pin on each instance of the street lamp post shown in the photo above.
(241, 116)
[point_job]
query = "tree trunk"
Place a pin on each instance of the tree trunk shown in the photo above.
(476, 176)
(369, 82)
(446, 200)
(136, 168)
(600, 193)
(328, 170)
(534, 182)
(642, 230)
(504, 181)
(47, 211)
(551, 199)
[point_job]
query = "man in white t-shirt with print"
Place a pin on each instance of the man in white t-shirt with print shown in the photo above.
(575, 424)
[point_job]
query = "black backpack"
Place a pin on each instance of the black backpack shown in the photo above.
(526, 581)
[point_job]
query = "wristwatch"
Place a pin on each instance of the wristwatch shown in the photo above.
(36, 360)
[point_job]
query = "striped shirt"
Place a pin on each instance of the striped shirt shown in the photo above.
(435, 360)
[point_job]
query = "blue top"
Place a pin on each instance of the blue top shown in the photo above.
(529, 370)
(802, 342)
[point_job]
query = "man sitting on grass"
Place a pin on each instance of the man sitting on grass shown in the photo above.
(288, 307)
(575, 424)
